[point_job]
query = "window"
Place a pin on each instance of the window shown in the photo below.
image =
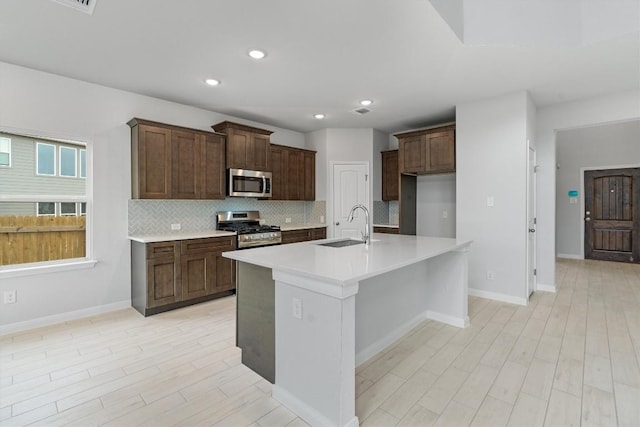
(68, 209)
(46, 209)
(83, 163)
(45, 159)
(44, 205)
(68, 162)
(5, 152)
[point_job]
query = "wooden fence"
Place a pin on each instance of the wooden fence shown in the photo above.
(41, 238)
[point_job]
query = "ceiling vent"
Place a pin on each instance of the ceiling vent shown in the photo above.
(362, 110)
(85, 6)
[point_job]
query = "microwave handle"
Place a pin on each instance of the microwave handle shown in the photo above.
(264, 185)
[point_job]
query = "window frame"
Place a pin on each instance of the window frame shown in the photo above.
(82, 153)
(55, 209)
(55, 152)
(68, 264)
(75, 161)
(7, 152)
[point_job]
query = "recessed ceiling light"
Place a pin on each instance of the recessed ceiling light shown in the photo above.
(319, 116)
(366, 102)
(212, 82)
(257, 54)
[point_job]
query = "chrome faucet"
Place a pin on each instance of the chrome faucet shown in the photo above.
(366, 236)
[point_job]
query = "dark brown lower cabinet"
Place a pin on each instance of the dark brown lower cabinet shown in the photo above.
(387, 230)
(168, 275)
(303, 235)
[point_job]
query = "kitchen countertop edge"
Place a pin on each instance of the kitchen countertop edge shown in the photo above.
(187, 235)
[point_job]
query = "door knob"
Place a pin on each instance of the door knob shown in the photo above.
(532, 230)
(337, 222)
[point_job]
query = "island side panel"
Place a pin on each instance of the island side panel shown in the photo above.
(255, 326)
(448, 298)
(315, 357)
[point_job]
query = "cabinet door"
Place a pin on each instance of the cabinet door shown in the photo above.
(213, 167)
(413, 152)
(154, 163)
(163, 281)
(441, 154)
(258, 157)
(278, 166)
(198, 275)
(225, 273)
(186, 165)
(390, 175)
(309, 173)
(295, 175)
(238, 145)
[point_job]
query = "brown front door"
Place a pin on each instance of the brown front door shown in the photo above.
(612, 215)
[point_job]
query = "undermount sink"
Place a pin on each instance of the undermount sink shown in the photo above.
(341, 243)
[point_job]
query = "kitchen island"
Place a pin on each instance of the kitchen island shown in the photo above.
(336, 307)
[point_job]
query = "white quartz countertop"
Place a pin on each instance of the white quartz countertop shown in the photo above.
(344, 265)
(387, 225)
(178, 235)
(291, 227)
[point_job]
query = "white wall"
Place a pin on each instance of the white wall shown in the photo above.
(590, 147)
(436, 194)
(44, 104)
(600, 110)
(491, 161)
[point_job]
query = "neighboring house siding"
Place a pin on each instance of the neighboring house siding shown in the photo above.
(18, 209)
(21, 177)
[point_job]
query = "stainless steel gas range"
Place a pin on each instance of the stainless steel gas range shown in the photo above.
(250, 232)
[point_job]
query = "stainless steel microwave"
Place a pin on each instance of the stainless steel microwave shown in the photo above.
(248, 183)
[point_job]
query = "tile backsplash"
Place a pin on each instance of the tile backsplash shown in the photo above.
(386, 212)
(156, 216)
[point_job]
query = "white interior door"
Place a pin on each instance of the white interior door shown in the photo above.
(531, 222)
(350, 187)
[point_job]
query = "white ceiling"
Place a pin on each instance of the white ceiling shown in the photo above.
(323, 57)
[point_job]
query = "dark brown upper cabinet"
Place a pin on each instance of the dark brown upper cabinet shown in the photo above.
(247, 147)
(294, 173)
(428, 151)
(390, 175)
(172, 162)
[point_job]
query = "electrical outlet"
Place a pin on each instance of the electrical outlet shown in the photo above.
(10, 297)
(297, 308)
(321, 219)
(287, 220)
(490, 201)
(175, 227)
(491, 275)
(445, 214)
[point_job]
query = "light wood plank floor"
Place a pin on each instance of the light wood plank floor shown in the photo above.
(568, 359)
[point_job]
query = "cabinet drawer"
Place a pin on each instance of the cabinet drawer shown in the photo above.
(210, 244)
(318, 233)
(162, 249)
(295, 236)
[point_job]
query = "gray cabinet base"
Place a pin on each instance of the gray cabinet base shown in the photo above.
(255, 326)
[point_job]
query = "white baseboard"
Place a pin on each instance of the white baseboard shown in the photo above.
(545, 288)
(376, 347)
(311, 415)
(498, 297)
(62, 317)
(569, 256)
(458, 322)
